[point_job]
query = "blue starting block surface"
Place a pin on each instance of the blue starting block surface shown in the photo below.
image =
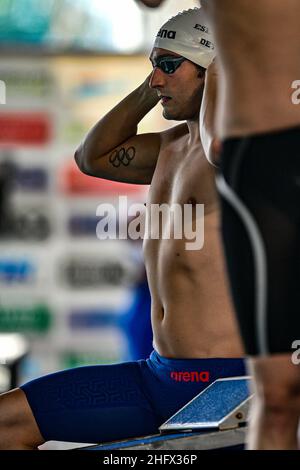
(224, 405)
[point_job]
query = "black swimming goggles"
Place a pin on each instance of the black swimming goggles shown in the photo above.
(168, 64)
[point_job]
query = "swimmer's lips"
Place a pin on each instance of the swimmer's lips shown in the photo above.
(165, 99)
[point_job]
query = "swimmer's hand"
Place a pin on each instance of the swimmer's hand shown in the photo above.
(149, 92)
(211, 144)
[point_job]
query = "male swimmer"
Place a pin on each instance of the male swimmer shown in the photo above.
(258, 54)
(195, 335)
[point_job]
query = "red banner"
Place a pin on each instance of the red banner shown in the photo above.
(24, 129)
(72, 181)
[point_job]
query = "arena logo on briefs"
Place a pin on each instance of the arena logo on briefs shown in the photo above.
(2, 92)
(193, 376)
(155, 222)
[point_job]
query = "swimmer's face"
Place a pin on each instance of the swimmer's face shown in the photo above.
(178, 83)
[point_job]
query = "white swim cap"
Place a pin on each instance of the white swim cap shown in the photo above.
(188, 35)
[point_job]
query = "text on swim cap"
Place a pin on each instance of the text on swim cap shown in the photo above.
(164, 33)
(206, 43)
(202, 28)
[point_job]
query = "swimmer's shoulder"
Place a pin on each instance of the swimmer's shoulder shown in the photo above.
(174, 135)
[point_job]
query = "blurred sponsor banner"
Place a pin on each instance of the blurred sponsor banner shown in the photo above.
(27, 85)
(34, 318)
(73, 181)
(24, 129)
(23, 267)
(94, 271)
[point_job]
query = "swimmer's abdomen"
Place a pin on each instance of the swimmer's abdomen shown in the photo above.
(191, 306)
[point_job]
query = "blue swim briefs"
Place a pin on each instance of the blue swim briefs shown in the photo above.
(103, 403)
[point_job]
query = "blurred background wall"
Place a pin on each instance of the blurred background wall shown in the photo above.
(67, 298)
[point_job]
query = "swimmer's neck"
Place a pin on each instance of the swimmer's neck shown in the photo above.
(194, 133)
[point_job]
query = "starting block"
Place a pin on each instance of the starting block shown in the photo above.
(222, 405)
(214, 419)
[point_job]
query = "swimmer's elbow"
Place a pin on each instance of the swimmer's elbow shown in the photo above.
(78, 157)
(81, 161)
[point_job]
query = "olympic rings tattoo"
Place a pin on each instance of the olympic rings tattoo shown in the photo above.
(122, 157)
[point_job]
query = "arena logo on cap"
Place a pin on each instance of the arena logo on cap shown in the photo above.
(155, 222)
(2, 92)
(164, 33)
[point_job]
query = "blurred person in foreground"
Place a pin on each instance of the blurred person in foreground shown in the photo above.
(257, 145)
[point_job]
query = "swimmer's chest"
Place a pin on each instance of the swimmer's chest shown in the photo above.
(183, 178)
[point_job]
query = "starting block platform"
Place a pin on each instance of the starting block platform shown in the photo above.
(214, 419)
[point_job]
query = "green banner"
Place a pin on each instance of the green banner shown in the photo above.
(33, 319)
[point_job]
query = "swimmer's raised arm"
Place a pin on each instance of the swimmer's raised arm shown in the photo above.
(113, 150)
(211, 144)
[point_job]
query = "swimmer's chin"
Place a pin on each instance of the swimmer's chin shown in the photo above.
(172, 117)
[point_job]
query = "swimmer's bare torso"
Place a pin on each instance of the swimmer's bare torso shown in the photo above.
(191, 309)
(258, 50)
(192, 313)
